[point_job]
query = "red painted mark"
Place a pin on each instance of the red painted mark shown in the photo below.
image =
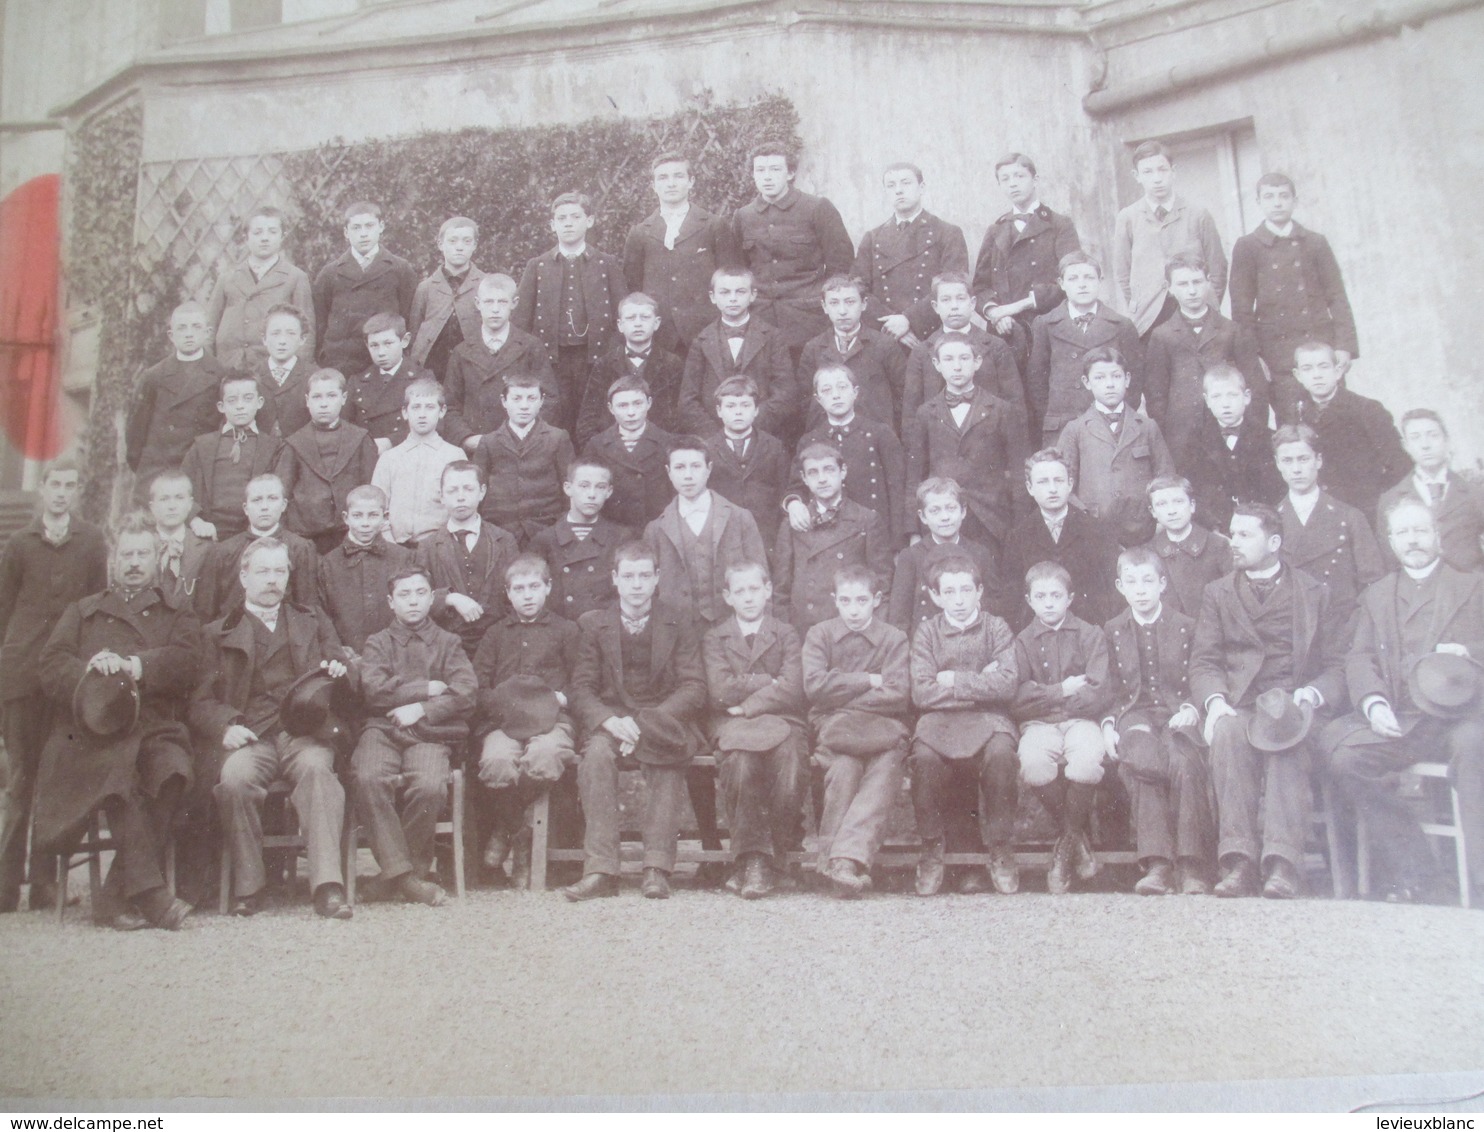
(30, 266)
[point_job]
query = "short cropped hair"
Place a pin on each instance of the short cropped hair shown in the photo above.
(743, 567)
(190, 306)
(1103, 354)
(1135, 556)
(403, 575)
(511, 381)
(819, 450)
(733, 273)
(856, 575)
(835, 367)
(635, 550)
(288, 309)
(939, 485)
(953, 564)
(169, 475)
(497, 281)
(581, 200)
(132, 523)
(1421, 415)
(775, 148)
(1295, 434)
(1401, 503)
(638, 299)
(455, 222)
(234, 377)
(1313, 346)
(61, 464)
(1048, 572)
(1015, 159)
(902, 167)
(1046, 456)
(950, 279)
(1267, 516)
(528, 564)
(957, 340)
(424, 387)
(267, 212)
(263, 543)
(326, 377)
(670, 157)
(1184, 262)
(383, 321)
(1149, 149)
(629, 383)
(687, 443)
(1073, 259)
(368, 492)
(458, 467)
(361, 208)
(1275, 181)
(1167, 483)
(842, 282)
(597, 465)
(262, 478)
(1221, 371)
(738, 385)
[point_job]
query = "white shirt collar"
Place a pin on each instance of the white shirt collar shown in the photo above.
(228, 428)
(698, 506)
(196, 357)
(261, 269)
(268, 617)
(1425, 572)
(846, 423)
(1285, 231)
(1158, 609)
(748, 628)
(1424, 477)
(1077, 312)
(1048, 517)
(675, 213)
(1027, 210)
(55, 530)
(1107, 412)
(572, 253)
(520, 432)
(365, 260)
(273, 533)
(1270, 572)
(472, 523)
(907, 219)
(962, 625)
(742, 326)
(632, 434)
(495, 340)
(1181, 537)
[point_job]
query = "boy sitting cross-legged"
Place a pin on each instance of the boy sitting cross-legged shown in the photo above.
(755, 674)
(1151, 732)
(1062, 664)
(524, 665)
(419, 689)
(856, 676)
(963, 757)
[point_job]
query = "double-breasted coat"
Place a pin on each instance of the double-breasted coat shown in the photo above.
(237, 311)
(804, 562)
(763, 357)
(1053, 379)
(1335, 547)
(1016, 260)
(475, 383)
(641, 485)
(897, 262)
(985, 456)
(345, 296)
(538, 308)
(678, 278)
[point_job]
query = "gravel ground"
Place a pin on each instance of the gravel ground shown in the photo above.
(516, 994)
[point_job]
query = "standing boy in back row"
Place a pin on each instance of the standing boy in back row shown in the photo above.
(366, 279)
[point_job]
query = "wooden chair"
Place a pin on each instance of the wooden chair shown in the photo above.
(289, 843)
(1325, 817)
(1452, 830)
(451, 827)
(91, 847)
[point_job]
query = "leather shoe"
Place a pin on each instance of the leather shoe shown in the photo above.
(247, 905)
(845, 877)
(1004, 870)
(1157, 881)
(655, 885)
(1084, 860)
(520, 862)
(1282, 882)
(415, 890)
(757, 879)
(170, 913)
(1192, 876)
(495, 852)
(128, 921)
(975, 881)
(1059, 875)
(930, 868)
(1238, 879)
(329, 902)
(590, 887)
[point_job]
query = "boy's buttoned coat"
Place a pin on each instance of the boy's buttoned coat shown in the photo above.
(316, 490)
(755, 483)
(1143, 244)
(876, 470)
(598, 688)
(878, 363)
(475, 383)
(762, 674)
(732, 535)
(1335, 547)
(986, 456)
(1174, 634)
(1362, 450)
(678, 278)
(1111, 470)
(805, 562)
(1044, 657)
(661, 371)
(977, 705)
(285, 410)
(1018, 260)
(1460, 519)
(434, 303)
(911, 581)
(1286, 289)
(999, 373)
(480, 575)
(346, 296)
(763, 357)
(897, 263)
(237, 311)
(174, 402)
(374, 401)
(1222, 476)
(351, 584)
(581, 568)
(538, 309)
(1053, 380)
(1177, 356)
(641, 486)
(1086, 548)
(200, 466)
(525, 477)
(1191, 565)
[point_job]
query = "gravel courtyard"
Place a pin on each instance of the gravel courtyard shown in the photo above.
(515, 994)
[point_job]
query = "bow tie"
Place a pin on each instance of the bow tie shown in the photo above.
(825, 518)
(634, 625)
(1229, 432)
(838, 433)
(637, 359)
(1113, 419)
(954, 400)
(1263, 587)
(353, 548)
(735, 331)
(1083, 321)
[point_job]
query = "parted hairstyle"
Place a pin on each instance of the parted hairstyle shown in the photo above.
(458, 467)
(1135, 556)
(953, 564)
(383, 321)
(1048, 572)
(403, 575)
(939, 485)
(265, 543)
(368, 492)
(819, 450)
(1184, 262)
(1421, 415)
(1295, 434)
(635, 550)
(1166, 482)
(526, 565)
(738, 385)
(742, 567)
(288, 309)
(424, 387)
(1266, 516)
(857, 575)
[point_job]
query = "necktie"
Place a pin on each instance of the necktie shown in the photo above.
(1160, 213)
(954, 400)
(1115, 420)
(170, 552)
(1083, 321)
(1436, 491)
(238, 436)
(280, 373)
(634, 625)
(1262, 587)
(739, 446)
(826, 518)
(838, 433)
(1022, 219)
(1229, 436)
(470, 538)
(844, 345)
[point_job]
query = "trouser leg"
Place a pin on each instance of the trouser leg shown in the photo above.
(746, 793)
(319, 800)
(864, 822)
(999, 791)
(928, 773)
(1466, 751)
(664, 802)
(1367, 774)
(246, 775)
(842, 778)
(1236, 774)
(424, 794)
(376, 767)
(597, 786)
(25, 723)
(1288, 803)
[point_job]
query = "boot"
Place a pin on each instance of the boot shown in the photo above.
(520, 863)
(1080, 798)
(1193, 880)
(1157, 880)
(1238, 878)
(930, 868)
(757, 879)
(1282, 882)
(1004, 870)
(1059, 875)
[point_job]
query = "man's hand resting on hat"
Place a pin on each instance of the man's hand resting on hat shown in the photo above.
(1217, 710)
(334, 668)
(1383, 720)
(237, 736)
(1453, 649)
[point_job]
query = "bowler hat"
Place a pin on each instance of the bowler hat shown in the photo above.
(524, 707)
(318, 706)
(862, 734)
(1445, 685)
(662, 738)
(106, 706)
(757, 733)
(1143, 756)
(1277, 723)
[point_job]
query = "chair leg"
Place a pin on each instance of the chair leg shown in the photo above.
(64, 863)
(224, 881)
(1465, 897)
(1362, 857)
(170, 864)
(95, 858)
(540, 835)
(456, 777)
(350, 847)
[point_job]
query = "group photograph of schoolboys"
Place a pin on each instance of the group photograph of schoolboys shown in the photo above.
(915, 553)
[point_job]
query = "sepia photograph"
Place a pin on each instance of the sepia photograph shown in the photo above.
(657, 555)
